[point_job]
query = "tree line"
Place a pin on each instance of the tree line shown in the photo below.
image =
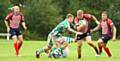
(42, 16)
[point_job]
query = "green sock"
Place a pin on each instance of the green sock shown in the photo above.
(69, 40)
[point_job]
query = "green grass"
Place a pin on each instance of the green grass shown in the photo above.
(29, 48)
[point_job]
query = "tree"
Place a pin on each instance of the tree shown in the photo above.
(41, 17)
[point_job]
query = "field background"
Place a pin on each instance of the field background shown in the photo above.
(29, 48)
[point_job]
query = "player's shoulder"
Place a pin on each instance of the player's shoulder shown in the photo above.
(87, 16)
(10, 13)
(21, 13)
(76, 18)
(109, 19)
(62, 22)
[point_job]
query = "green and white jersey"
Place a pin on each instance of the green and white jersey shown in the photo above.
(60, 28)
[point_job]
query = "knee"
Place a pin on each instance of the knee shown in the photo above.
(79, 45)
(90, 42)
(14, 39)
(50, 46)
(20, 38)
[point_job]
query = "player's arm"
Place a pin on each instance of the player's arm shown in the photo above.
(111, 24)
(72, 30)
(95, 19)
(114, 32)
(96, 28)
(76, 23)
(6, 23)
(23, 23)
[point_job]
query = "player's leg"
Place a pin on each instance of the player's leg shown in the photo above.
(14, 37)
(15, 44)
(47, 48)
(68, 39)
(56, 53)
(62, 42)
(79, 46)
(60, 48)
(105, 39)
(79, 40)
(20, 41)
(65, 52)
(107, 50)
(100, 42)
(91, 43)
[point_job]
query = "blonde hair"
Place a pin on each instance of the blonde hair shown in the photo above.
(79, 11)
(69, 15)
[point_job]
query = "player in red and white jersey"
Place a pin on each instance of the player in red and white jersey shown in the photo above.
(15, 18)
(108, 32)
(84, 19)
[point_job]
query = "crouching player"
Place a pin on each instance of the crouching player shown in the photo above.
(55, 37)
(61, 52)
(108, 32)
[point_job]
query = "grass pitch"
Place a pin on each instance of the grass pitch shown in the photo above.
(7, 52)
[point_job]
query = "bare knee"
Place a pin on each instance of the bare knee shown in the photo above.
(20, 38)
(90, 42)
(14, 39)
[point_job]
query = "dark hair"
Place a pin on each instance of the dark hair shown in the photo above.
(104, 12)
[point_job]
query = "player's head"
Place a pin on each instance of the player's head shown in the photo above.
(80, 13)
(70, 17)
(104, 15)
(16, 9)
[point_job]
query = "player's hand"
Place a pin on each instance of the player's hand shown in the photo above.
(25, 28)
(80, 33)
(91, 31)
(75, 27)
(8, 29)
(113, 38)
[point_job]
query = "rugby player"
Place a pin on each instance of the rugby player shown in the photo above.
(82, 25)
(108, 32)
(55, 37)
(15, 18)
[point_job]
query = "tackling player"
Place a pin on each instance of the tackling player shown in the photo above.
(55, 37)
